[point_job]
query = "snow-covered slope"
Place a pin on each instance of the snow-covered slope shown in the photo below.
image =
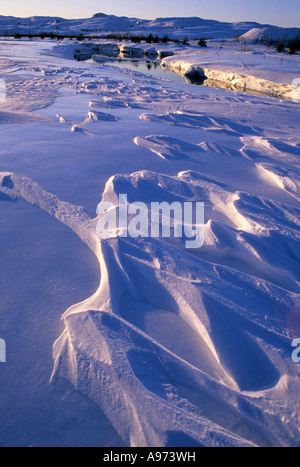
(172, 346)
(102, 23)
(99, 23)
(171, 338)
(271, 33)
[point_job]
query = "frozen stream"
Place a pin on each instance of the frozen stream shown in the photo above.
(148, 67)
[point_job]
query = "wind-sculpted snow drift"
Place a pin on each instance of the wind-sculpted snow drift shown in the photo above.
(182, 343)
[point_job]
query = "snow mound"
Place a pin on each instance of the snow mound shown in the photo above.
(214, 368)
(174, 149)
(200, 120)
(254, 146)
(218, 149)
(271, 33)
(165, 147)
(290, 182)
(101, 116)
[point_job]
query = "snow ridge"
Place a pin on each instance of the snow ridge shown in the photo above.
(211, 391)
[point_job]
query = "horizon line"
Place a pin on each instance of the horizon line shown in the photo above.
(150, 19)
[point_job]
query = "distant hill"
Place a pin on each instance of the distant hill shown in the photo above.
(102, 23)
(271, 33)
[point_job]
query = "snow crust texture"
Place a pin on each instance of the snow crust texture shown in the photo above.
(172, 342)
(194, 344)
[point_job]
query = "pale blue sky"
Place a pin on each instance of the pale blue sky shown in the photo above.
(278, 12)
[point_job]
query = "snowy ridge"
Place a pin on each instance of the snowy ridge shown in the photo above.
(102, 23)
(74, 217)
(199, 384)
